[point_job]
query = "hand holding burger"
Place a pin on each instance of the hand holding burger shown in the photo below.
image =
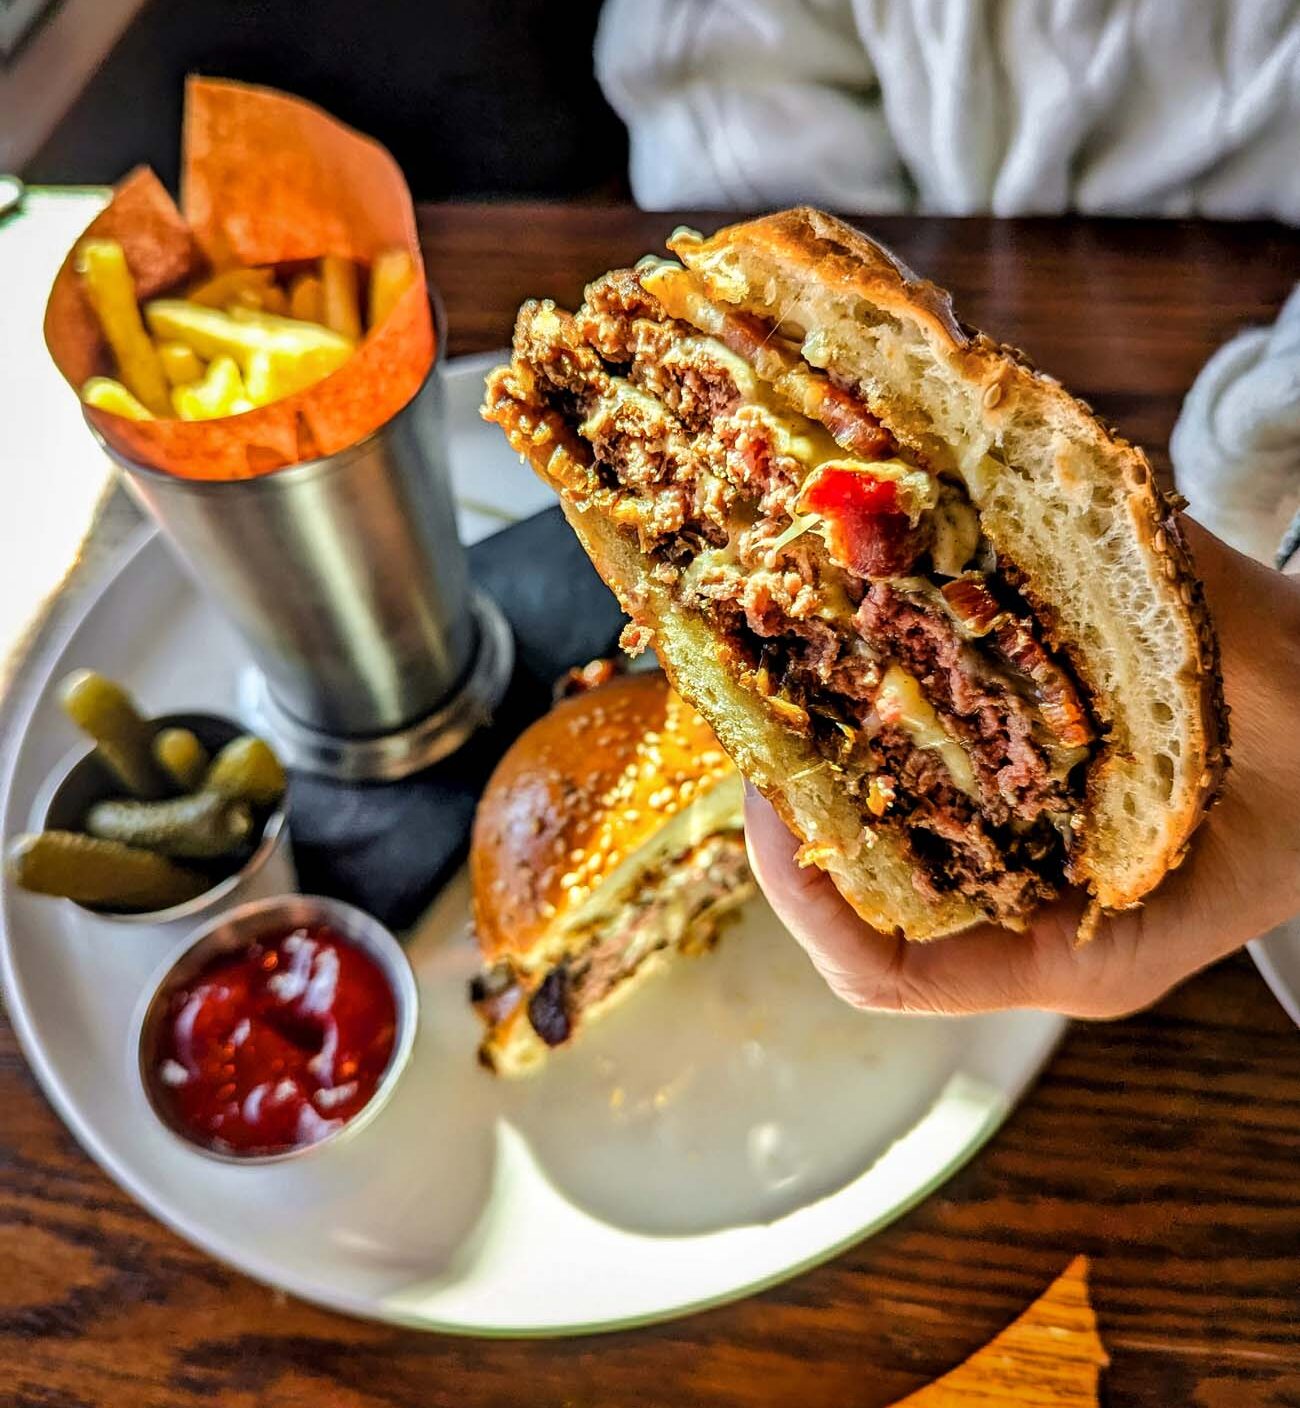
(1240, 880)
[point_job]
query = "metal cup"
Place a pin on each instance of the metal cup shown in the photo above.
(346, 579)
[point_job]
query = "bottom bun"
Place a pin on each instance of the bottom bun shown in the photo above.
(871, 868)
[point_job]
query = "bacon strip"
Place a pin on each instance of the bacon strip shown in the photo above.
(756, 341)
(974, 605)
(1058, 700)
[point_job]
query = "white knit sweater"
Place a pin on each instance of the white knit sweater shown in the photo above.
(1166, 107)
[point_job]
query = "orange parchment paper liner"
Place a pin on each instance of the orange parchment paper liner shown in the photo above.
(266, 179)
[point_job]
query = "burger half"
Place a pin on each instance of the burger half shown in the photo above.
(938, 612)
(608, 842)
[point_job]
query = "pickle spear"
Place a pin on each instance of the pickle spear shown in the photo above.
(181, 756)
(247, 770)
(202, 827)
(101, 873)
(106, 712)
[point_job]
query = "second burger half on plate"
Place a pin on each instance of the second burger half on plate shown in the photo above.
(934, 609)
(608, 842)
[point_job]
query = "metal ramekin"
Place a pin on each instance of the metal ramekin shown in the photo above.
(81, 780)
(236, 929)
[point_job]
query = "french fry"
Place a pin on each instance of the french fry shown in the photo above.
(180, 363)
(236, 332)
(110, 395)
(278, 356)
(241, 288)
(209, 332)
(273, 300)
(305, 301)
(110, 290)
(246, 286)
(220, 393)
(274, 373)
(390, 275)
(340, 309)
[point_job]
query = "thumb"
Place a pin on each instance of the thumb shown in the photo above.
(859, 963)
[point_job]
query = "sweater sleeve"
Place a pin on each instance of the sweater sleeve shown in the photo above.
(733, 103)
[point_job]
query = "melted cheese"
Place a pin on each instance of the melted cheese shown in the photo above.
(709, 560)
(775, 379)
(679, 293)
(623, 395)
(912, 711)
(1062, 760)
(806, 440)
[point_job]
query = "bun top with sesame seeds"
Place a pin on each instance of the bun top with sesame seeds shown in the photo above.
(608, 783)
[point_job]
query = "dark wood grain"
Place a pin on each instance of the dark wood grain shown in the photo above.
(1166, 1147)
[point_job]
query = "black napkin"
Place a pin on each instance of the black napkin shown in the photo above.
(389, 847)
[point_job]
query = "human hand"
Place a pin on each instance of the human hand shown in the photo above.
(1241, 878)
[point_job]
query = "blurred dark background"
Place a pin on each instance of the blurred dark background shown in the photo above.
(475, 98)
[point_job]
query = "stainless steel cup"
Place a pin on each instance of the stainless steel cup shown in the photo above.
(345, 577)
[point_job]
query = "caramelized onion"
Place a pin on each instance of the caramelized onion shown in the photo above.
(971, 602)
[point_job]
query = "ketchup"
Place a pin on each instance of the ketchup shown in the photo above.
(866, 530)
(277, 1045)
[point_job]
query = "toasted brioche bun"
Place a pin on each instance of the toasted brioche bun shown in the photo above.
(607, 786)
(1071, 506)
(1071, 509)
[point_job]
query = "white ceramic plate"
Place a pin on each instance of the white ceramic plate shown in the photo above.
(732, 1126)
(1277, 956)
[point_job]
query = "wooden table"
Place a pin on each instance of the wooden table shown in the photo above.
(1166, 1146)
